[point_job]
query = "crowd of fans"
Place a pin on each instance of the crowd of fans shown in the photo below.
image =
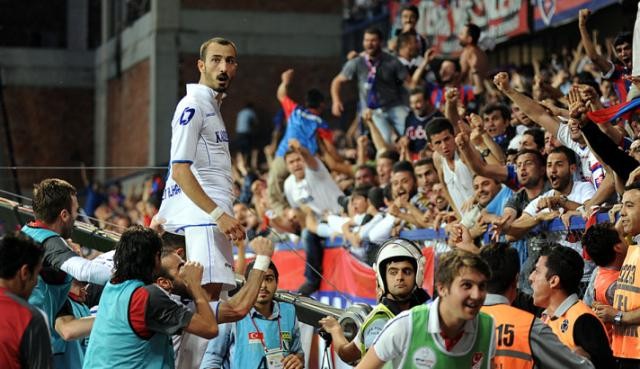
(483, 155)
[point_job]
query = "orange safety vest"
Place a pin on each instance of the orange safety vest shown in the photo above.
(626, 338)
(563, 326)
(513, 330)
(604, 279)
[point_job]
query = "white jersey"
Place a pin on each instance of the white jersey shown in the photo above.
(199, 137)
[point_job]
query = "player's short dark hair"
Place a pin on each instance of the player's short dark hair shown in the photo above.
(50, 197)
(17, 250)
(504, 263)
(136, 254)
(567, 264)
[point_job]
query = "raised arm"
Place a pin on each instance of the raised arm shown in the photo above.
(600, 61)
(283, 87)
(238, 306)
(309, 159)
(530, 107)
(472, 158)
(203, 322)
(419, 72)
(378, 141)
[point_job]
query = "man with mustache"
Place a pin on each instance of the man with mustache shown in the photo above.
(198, 196)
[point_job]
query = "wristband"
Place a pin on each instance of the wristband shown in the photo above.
(262, 262)
(216, 213)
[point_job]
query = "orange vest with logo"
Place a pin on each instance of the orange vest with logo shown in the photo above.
(626, 340)
(513, 329)
(563, 326)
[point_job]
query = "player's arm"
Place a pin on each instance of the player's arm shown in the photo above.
(238, 306)
(71, 328)
(181, 173)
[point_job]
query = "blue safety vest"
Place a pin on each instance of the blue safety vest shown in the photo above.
(114, 344)
(49, 297)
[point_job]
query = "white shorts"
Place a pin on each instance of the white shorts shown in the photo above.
(209, 247)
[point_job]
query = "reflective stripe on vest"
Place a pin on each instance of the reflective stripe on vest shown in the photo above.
(379, 311)
(563, 326)
(513, 330)
(626, 338)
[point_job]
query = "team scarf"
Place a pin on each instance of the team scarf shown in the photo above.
(614, 112)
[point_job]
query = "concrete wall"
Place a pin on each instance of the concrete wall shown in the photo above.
(130, 84)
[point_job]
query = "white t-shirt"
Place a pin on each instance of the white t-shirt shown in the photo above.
(317, 190)
(591, 169)
(580, 192)
(199, 137)
(393, 342)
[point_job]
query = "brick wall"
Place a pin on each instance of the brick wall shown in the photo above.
(128, 119)
(295, 6)
(49, 127)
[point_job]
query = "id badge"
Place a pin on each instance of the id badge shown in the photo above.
(274, 359)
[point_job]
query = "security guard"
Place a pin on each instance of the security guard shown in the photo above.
(522, 340)
(555, 281)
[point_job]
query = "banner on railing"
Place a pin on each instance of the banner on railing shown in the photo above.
(347, 275)
(442, 21)
(553, 13)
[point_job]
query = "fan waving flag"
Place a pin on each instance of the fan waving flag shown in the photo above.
(614, 112)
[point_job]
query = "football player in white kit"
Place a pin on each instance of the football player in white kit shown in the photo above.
(197, 200)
